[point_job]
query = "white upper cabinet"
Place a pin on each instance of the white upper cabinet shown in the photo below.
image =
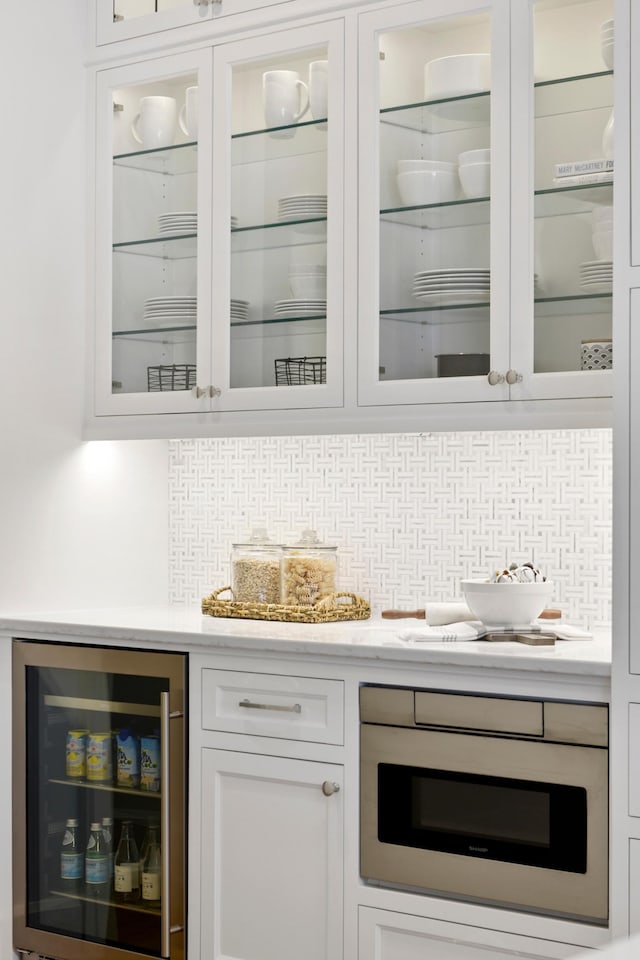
(219, 229)
(494, 267)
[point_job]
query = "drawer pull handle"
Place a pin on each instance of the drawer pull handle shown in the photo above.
(329, 787)
(295, 708)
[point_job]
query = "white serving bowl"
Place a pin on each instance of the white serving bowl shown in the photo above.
(607, 54)
(417, 187)
(405, 166)
(309, 287)
(475, 179)
(306, 269)
(458, 75)
(603, 244)
(602, 215)
(506, 604)
(475, 156)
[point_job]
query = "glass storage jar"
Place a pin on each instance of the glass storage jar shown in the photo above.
(255, 569)
(309, 570)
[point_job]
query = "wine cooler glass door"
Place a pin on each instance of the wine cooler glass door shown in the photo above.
(95, 828)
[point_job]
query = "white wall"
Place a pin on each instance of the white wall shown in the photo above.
(80, 524)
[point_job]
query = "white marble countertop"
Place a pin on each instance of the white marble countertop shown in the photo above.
(186, 628)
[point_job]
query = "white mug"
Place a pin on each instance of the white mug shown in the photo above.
(155, 125)
(188, 116)
(319, 89)
(286, 99)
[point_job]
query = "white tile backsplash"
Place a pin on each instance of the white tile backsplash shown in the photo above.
(412, 514)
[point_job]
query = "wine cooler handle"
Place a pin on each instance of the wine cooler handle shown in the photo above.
(165, 906)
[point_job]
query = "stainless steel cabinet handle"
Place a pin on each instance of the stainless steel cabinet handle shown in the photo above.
(494, 377)
(329, 787)
(165, 827)
(513, 377)
(207, 3)
(250, 705)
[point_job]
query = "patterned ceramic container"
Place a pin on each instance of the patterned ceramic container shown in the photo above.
(596, 355)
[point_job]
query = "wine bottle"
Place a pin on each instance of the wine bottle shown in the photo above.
(152, 869)
(126, 880)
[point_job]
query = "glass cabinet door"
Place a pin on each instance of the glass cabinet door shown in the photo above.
(434, 214)
(564, 269)
(153, 229)
(277, 227)
(99, 853)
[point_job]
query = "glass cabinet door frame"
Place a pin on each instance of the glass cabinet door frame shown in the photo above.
(549, 385)
(110, 30)
(106, 402)
(371, 390)
(329, 34)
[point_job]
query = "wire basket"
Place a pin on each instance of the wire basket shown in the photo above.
(171, 376)
(297, 370)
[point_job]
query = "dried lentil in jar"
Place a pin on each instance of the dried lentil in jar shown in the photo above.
(309, 570)
(255, 569)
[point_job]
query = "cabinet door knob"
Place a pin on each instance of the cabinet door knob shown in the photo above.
(214, 392)
(199, 392)
(329, 787)
(494, 377)
(513, 377)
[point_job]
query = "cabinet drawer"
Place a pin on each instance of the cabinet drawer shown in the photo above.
(293, 708)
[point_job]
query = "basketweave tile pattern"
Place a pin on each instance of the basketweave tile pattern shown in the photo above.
(411, 514)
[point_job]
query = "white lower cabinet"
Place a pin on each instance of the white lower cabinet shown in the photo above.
(271, 858)
(384, 935)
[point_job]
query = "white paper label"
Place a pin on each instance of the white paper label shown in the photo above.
(126, 877)
(150, 886)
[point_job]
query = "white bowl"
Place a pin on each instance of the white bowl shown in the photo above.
(458, 75)
(607, 54)
(607, 24)
(506, 604)
(310, 287)
(475, 156)
(417, 187)
(603, 244)
(602, 214)
(475, 179)
(405, 166)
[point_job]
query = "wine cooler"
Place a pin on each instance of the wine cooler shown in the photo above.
(99, 785)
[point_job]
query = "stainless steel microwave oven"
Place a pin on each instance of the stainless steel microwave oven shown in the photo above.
(494, 799)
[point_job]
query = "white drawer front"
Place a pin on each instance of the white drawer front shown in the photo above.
(292, 708)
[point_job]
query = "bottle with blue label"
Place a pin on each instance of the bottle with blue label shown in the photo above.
(96, 864)
(71, 857)
(128, 759)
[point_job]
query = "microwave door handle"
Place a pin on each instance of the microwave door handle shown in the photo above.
(165, 817)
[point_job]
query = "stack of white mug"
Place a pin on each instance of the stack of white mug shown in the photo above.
(154, 126)
(287, 98)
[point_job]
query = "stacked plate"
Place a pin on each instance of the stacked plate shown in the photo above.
(184, 221)
(304, 206)
(170, 311)
(452, 285)
(239, 310)
(596, 276)
(300, 307)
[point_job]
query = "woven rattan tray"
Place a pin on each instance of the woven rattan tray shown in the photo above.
(328, 609)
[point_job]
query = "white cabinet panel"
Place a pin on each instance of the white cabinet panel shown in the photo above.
(295, 708)
(394, 936)
(634, 887)
(271, 858)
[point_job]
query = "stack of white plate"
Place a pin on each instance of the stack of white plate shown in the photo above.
(300, 307)
(239, 309)
(596, 276)
(170, 311)
(452, 285)
(234, 222)
(304, 206)
(606, 42)
(184, 221)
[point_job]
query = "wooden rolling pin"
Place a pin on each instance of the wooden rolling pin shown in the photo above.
(435, 614)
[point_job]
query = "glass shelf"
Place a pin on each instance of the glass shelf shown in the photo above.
(454, 213)
(580, 198)
(105, 788)
(573, 305)
(464, 312)
(171, 161)
(589, 91)
(440, 116)
(281, 233)
(183, 246)
(270, 320)
(157, 334)
(274, 143)
(136, 907)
